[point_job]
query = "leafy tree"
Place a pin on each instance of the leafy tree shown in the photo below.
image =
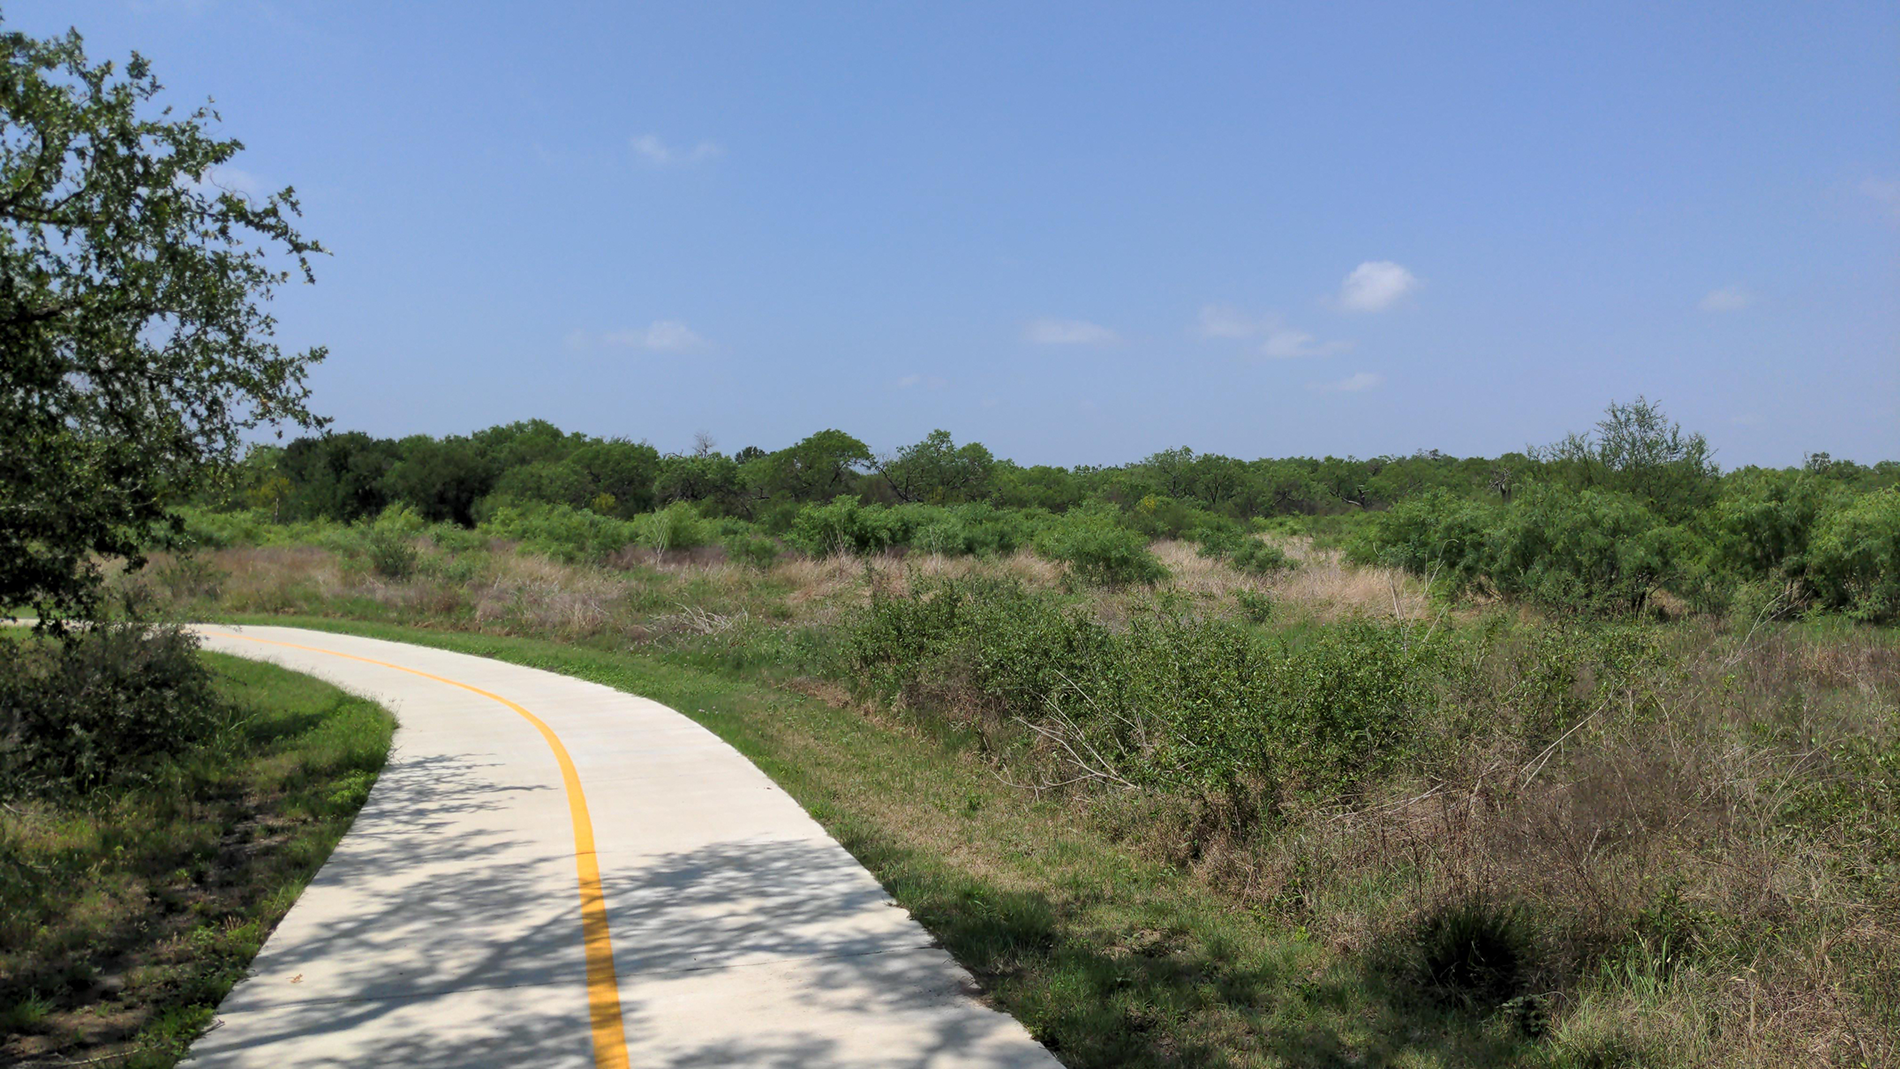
(818, 468)
(1855, 557)
(712, 479)
(134, 345)
(1638, 450)
(440, 478)
(512, 445)
(936, 471)
(1282, 487)
(1040, 486)
(339, 476)
(546, 482)
(619, 469)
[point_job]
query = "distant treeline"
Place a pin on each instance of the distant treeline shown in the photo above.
(465, 479)
(1598, 523)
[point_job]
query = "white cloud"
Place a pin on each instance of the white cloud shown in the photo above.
(1375, 286)
(1363, 380)
(1726, 299)
(1885, 192)
(1220, 321)
(1068, 332)
(933, 382)
(1287, 343)
(661, 336)
(660, 154)
(1281, 341)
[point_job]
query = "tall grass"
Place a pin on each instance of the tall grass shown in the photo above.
(126, 914)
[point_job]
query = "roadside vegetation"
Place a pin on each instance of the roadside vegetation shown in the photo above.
(163, 809)
(158, 811)
(1581, 756)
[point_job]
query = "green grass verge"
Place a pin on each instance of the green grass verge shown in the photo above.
(126, 916)
(1108, 957)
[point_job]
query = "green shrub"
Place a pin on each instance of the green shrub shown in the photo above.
(1593, 551)
(677, 526)
(1435, 534)
(1257, 556)
(1590, 551)
(218, 530)
(1101, 553)
(1476, 952)
(755, 550)
(561, 532)
(1765, 520)
(1169, 699)
(101, 706)
(1854, 562)
(389, 542)
(971, 530)
(1157, 517)
(846, 525)
(1218, 542)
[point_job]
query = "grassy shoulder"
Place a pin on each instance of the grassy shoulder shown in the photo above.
(1109, 955)
(126, 915)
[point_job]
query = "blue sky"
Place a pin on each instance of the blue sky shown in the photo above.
(1078, 233)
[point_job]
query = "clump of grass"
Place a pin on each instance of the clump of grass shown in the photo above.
(1475, 952)
(127, 913)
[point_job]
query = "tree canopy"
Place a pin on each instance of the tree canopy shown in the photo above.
(135, 348)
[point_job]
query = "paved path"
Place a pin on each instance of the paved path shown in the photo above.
(551, 873)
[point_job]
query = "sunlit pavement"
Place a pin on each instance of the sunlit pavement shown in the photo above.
(455, 925)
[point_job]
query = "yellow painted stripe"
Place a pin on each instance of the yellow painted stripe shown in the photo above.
(603, 984)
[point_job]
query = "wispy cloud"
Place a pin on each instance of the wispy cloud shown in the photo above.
(929, 382)
(1220, 321)
(658, 153)
(1287, 343)
(660, 336)
(1280, 340)
(1884, 192)
(1726, 299)
(1375, 286)
(1354, 383)
(1068, 332)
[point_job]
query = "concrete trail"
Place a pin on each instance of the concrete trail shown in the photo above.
(552, 873)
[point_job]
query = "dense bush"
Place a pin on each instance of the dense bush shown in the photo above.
(1169, 700)
(1590, 550)
(1247, 552)
(1854, 562)
(756, 550)
(563, 533)
(100, 706)
(389, 542)
(846, 525)
(677, 526)
(1595, 551)
(1100, 552)
(1435, 534)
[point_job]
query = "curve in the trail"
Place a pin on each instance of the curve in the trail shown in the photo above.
(445, 930)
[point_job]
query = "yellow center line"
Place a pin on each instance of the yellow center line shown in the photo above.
(603, 984)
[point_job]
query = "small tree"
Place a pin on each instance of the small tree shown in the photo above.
(937, 471)
(134, 348)
(1640, 451)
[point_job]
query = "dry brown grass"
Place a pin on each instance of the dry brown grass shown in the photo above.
(1688, 902)
(1322, 586)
